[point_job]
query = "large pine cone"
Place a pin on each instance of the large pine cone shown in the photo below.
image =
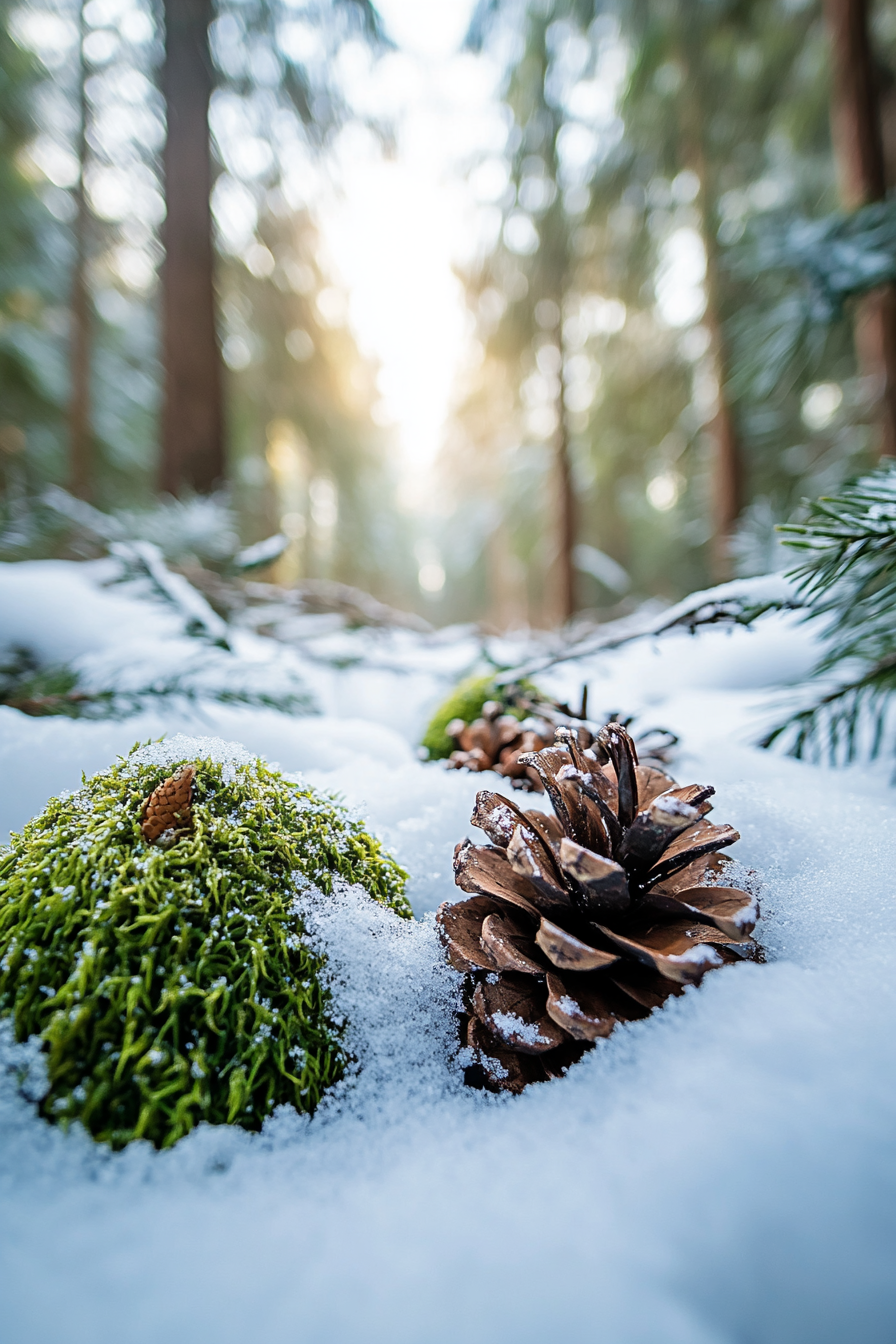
(589, 917)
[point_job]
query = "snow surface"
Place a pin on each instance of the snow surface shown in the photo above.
(721, 1173)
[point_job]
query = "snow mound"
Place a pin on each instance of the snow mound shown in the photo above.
(182, 747)
(391, 983)
(724, 1171)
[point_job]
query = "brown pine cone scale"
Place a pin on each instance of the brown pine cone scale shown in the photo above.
(167, 813)
(590, 917)
(502, 741)
(495, 741)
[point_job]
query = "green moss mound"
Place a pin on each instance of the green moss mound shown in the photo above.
(465, 702)
(175, 986)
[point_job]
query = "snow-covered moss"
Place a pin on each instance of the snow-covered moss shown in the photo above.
(171, 986)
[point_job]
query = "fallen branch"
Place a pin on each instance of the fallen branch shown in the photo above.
(740, 602)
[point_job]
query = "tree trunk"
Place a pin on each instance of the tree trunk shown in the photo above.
(728, 467)
(566, 510)
(80, 434)
(858, 145)
(192, 415)
(728, 472)
(508, 598)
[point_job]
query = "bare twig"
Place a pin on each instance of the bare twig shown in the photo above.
(741, 602)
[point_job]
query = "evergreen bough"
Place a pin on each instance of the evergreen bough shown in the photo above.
(847, 577)
(41, 689)
(812, 267)
(172, 986)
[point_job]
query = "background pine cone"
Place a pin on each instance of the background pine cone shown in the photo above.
(495, 741)
(589, 917)
(498, 740)
(168, 807)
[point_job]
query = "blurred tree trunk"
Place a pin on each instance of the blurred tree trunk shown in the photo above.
(858, 145)
(566, 502)
(192, 415)
(508, 598)
(727, 472)
(80, 433)
(558, 279)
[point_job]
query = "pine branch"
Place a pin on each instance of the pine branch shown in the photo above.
(848, 722)
(820, 264)
(739, 603)
(847, 578)
(840, 256)
(44, 689)
(200, 620)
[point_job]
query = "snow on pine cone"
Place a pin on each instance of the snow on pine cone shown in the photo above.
(590, 917)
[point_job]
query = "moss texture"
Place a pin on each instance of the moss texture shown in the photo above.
(175, 986)
(465, 702)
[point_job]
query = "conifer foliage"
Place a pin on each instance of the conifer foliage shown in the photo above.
(847, 577)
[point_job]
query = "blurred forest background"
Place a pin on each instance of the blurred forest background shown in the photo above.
(677, 322)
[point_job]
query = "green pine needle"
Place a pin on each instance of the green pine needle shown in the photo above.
(847, 576)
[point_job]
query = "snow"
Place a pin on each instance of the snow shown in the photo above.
(720, 1172)
(180, 746)
(510, 1026)
(569, 1007)
(698, 956)
(747, 916)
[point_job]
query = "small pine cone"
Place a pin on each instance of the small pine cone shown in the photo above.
(494, 742)
(589, 917)
(168, 807)
(474, 760)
